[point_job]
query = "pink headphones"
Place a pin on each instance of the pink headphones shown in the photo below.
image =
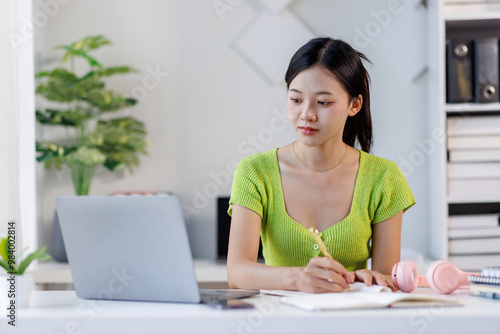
(442, 276)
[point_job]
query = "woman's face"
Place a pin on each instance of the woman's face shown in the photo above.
(318, 106)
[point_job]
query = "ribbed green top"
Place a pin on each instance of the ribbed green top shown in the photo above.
(380, 192)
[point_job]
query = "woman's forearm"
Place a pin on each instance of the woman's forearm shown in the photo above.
(246, 274)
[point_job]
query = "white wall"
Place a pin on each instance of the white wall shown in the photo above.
(17, 167)
(204, 114)
(9, 205)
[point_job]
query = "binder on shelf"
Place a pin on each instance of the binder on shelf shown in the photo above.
(474, 221)
(459, 71)
(474, 155)
(473, 142)
(473, 188)
(476, 170)
(474, 246)
(473, 125)
(486, 75)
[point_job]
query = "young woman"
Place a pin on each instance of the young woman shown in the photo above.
(356, 200)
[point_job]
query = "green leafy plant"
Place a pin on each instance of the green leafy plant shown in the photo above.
(9, 262)
(94, 138)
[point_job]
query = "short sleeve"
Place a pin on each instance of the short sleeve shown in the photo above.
(392, 194)
(248, 188)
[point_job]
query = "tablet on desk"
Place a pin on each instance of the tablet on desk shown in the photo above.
(132, 248)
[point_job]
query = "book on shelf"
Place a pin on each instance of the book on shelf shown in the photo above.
(473, 170)
(473, 126)
(474, 246)
(479, 221)
(360, 298)
(474, 155)
(474, 262)
(474, 187)
(474, 233)
(473, 142)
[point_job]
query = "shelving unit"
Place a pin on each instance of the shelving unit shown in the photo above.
(449, 19)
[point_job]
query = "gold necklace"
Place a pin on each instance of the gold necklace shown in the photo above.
(319, 170)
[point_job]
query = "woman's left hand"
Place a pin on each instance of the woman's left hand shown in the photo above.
(370, 277)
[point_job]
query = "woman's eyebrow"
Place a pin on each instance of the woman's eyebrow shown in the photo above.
(317, 93)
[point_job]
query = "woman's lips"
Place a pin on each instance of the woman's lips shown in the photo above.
(305, 130)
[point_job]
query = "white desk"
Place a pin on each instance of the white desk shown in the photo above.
(58, 312)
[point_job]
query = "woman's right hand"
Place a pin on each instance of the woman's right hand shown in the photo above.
(324, 275)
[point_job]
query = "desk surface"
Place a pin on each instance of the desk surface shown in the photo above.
(64, 312)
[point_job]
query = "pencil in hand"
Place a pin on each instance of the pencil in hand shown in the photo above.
(324, 250)
(321, 244)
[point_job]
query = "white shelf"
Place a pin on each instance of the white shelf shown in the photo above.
(471, 10)
(472, 107)
(472, 16)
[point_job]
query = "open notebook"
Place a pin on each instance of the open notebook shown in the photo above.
(360, 296)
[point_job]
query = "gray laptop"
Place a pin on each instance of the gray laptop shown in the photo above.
(132, 248)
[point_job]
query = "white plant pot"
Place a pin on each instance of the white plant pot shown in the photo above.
(16, 289)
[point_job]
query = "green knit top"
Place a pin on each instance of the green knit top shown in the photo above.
(380, 192)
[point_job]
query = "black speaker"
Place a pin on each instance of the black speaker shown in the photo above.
(223, 227)
(459, 71)
(486, 69)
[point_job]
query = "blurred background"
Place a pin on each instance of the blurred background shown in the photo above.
(210, 91)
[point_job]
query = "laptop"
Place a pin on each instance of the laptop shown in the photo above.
(132, 248)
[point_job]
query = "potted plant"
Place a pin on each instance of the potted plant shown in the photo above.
(16, 284)
(94, 138)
